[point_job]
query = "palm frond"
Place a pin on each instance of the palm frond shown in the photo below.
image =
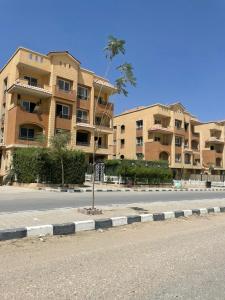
(128, 74)
(114, 47)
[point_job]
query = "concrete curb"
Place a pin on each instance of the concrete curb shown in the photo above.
(88, 190)
(99, 224)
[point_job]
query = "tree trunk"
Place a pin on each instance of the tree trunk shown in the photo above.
(93, 175)
(62, 167)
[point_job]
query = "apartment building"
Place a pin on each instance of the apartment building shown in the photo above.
(170, 133)
(212, 139)
(44, 94)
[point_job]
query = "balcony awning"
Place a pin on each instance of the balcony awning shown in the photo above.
(22, 88)
(214, 140)
(160, 129)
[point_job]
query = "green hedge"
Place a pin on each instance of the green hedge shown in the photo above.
(149, 172)
(32, 164)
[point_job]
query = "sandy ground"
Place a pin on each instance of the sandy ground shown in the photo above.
(176, 259)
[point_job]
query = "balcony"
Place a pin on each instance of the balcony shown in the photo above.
(195, 134)
(83, 123)
(104, 128)
(139, 131)
(160, 129)
(139, 148)
(104, 85)
(102, 146)
(211, 157)
(179, 131)
(103, 124)
(214, 140)
(21, 86)
(82, 120)
(104, 107)
(83, 104)
(162, 112)
(83, 144)
(23, 116)
(62, 94)
(154, 150)
(37, 62)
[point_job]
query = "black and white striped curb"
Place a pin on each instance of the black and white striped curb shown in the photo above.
(81, 190)
(78, 226)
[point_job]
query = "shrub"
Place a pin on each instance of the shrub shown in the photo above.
(32, 164)
(148, 172)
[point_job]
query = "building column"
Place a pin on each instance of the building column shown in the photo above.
(51, 121)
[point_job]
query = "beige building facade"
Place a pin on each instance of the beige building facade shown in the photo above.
(170, 133)
(44, 94)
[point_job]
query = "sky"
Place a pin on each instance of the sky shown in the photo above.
(177, 47)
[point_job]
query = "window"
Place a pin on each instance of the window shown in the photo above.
(157, 121)
(186, 126)
(157, 139)
(177, 157)
(178, 124)
(30, 56)
(5, 84)
(63, 111)
(122, 143)
(187, 158)
(178, 141)
(28, 106)
(186, 144)
(82, 93)
(139, 141)
(82, 116)
(139, 155)
(31, 80)
(101, 100)
(64, 85)
(82, 138)
(139, 124)
(98, 121)
(26, 133)
(122, 129)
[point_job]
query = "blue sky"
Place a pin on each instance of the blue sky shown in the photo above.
(177, 47)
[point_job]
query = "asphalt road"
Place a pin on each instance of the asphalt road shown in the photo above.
(179, 259)
(43, 200)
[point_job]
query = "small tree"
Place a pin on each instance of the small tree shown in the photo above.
(59, 144)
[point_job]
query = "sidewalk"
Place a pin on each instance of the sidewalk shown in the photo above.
(66, 215)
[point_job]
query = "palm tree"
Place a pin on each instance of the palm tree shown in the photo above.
(113, 48)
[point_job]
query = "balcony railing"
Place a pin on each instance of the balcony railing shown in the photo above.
(160, 128)
(22, 86)
(60, 93)
(84, 144)
(82, 120)
(103, 146)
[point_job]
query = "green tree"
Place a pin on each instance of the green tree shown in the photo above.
(59, 144)
(114, 48)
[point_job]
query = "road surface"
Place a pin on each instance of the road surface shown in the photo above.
(43, 200)
(179, 259)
